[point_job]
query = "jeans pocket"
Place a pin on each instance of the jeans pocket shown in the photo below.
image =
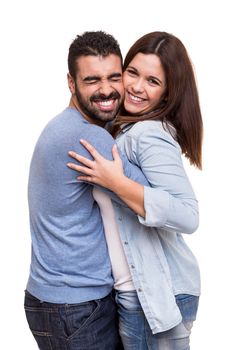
(80, 316)
(188, 325)
(128, 301)
(188, 305)
(38, 324)
(36, 315)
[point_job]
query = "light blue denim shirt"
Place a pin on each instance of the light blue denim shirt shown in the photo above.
(160, 262)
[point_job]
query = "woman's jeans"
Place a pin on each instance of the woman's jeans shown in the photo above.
(135, 331)
(90, 325)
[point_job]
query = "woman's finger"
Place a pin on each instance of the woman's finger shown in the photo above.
(86, 179)
(79, 168)
(95, 154)
(115, 153)
(117, 157)
(85, 161)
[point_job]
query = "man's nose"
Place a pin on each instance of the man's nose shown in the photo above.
(106, 88)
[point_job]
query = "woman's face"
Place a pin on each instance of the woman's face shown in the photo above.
(144, 82)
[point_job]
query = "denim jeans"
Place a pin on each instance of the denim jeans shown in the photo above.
(136, 333)
(90, 325)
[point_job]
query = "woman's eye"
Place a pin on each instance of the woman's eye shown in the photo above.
(132, 72)
(153, 81)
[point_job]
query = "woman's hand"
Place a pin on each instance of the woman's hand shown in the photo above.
(109, 174)
(99, 171)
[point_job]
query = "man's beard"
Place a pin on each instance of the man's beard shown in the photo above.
(95, 113)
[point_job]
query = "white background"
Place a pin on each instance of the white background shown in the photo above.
(35, 36)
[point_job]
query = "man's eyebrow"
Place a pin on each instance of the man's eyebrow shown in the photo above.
(91, 77)
(115, 75)
(97, 77)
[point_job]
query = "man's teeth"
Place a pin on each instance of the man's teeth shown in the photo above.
(106, 103)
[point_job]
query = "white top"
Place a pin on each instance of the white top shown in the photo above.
(120, 269)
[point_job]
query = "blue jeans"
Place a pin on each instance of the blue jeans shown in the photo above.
(90, 325)
(135, 331)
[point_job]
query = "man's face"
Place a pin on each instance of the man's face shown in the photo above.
(98, 87)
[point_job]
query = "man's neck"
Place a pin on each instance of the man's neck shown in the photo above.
(74, 104)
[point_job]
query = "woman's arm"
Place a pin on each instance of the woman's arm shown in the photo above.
(170, 202)
(109, 174)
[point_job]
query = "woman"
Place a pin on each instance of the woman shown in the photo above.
(157, 280)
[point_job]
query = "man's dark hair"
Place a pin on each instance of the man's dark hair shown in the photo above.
(96, 43)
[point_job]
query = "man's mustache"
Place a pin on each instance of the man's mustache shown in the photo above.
(102, 97)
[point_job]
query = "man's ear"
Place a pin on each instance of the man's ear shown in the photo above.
(71, 83)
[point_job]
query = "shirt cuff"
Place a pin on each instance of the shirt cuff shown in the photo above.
(156, 204)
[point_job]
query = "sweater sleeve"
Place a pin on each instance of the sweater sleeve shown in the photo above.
(103, 142)
(170, 201)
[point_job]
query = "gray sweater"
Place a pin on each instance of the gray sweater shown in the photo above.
(70, 262)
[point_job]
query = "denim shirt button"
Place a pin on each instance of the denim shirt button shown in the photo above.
(132, 266)
(120, 218)
(126, 243)
(139, 289)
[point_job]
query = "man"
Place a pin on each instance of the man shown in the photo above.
(68, 300)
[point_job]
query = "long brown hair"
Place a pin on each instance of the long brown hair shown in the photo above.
(180, 104)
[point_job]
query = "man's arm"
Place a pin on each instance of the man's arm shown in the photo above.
(133, 180)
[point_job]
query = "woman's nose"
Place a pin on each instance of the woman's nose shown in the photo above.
(138, 86)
